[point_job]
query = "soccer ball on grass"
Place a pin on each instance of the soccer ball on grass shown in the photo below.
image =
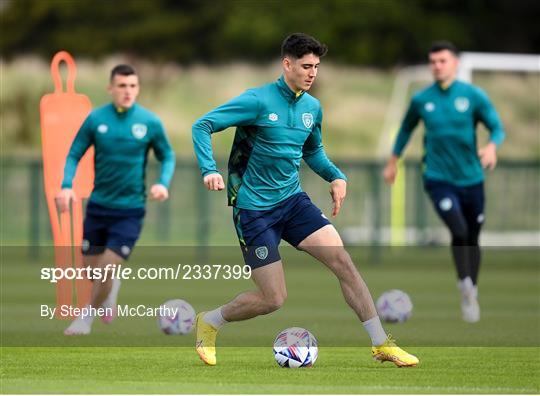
(179, 318)
(295, 347)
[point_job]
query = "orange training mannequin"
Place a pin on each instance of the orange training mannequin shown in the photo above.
(62, 114)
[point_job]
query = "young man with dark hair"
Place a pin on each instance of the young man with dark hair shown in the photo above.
(453, 175)
(122, 133)
(438, 46)
(278, 125)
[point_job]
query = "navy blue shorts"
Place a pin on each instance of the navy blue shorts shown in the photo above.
(114, 229)
(452, 201)
(261, 231)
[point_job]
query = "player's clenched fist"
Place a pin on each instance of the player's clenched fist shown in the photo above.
(390, 171)
(488, 156)
(214, 182)
(158, 192)
(63, 199)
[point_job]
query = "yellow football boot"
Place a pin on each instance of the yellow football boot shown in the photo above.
(390, 352)
(206, 340)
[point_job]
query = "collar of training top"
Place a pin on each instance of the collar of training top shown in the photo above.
(120, 111)
(288, 92)
(447, 88)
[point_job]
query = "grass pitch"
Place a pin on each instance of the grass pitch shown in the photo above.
(500, 354)
(253, 370)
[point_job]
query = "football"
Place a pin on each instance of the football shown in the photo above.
(176, 317)
(295, 347)
(394, 306)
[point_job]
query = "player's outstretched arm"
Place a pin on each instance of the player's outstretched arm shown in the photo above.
(165, 154)
(485, 112)
(314, 155)
(240, 111)
(410, 121)
(82, 142)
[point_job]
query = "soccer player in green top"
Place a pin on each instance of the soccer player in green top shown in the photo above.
(122, 133)
(453, 174)
(278, 125)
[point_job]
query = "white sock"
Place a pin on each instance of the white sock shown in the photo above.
(466, 287)
(110, 301)
(375, 330)
(214, 318)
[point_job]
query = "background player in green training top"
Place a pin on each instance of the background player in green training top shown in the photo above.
(122, 133)
(453, 174)
(278, 125)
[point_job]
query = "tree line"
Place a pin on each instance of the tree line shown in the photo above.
(367, 32)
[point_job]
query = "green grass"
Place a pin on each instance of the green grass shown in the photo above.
(500, 354)
(253, 370)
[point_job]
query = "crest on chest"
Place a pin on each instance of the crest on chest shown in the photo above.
(461, 104)
(139, 131)
(307, 120)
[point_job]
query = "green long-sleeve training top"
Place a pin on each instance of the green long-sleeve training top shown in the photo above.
(276, 129)
(450, 117)
(121, 141)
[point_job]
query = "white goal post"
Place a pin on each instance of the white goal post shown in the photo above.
(479, 61)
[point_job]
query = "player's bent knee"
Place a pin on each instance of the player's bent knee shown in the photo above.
(274, 302)
(460, 233)
(342, 260)
(344, 269)
(344, 257)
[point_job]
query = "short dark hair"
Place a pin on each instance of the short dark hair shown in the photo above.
(437, 46)
(122, 70)
(299, 44)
